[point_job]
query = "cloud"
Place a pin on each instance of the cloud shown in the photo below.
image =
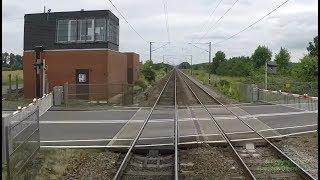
(292, 26)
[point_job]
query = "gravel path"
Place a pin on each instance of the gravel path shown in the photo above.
(302, 149)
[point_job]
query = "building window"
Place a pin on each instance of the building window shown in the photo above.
(82, 30)
(62, 31)
(100, 30)
(72, 30)
(113, 34)
(90, 30)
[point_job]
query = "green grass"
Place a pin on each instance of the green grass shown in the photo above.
(5, 77)
(275, 82)
(12, 102)
(278, 166)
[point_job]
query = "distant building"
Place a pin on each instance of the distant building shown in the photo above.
(79, 47)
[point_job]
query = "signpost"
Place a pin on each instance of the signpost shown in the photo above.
(270, 67)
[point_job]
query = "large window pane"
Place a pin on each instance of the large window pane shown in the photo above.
(62, 31)
(100, 30)
(82, 30)
(90, 30)
(113, 33)
(72, 33)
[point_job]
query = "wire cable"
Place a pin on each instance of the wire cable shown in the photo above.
(205, 22)
(127, 21)
(214, 25)
(246, 28)
(165, 6)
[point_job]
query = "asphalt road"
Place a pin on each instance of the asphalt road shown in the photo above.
(119, 127)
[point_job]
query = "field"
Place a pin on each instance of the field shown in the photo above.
(5, 78)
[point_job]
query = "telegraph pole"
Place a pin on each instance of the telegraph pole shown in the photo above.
(191, 63)
(209, 59)
(150, 50)
(266, 76)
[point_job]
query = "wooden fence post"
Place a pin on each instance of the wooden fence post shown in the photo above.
(10, 88)
(17, 85)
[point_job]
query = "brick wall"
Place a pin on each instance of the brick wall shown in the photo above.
(105, 66)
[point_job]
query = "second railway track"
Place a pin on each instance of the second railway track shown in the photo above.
(205, 161)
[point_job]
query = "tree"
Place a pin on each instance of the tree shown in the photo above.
(307, 69)
(236, 66)
(18, 62)
(260, 56)
(313, 47)
(12, 59)
(216, 61)
(282, 59)
(5, 57)
(184, 65)
(148, 72)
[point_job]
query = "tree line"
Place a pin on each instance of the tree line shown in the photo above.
(305, 70)
(11, 61)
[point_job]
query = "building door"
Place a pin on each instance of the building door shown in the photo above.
(82, 81)
(130, 76)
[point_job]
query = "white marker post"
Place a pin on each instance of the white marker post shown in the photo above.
(266, 76)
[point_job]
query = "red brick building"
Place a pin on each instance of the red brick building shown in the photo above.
(76, 57)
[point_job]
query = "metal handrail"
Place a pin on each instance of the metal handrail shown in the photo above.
(126, 158)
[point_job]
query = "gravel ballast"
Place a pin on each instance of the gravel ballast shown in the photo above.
(208, 162)
(303, 150)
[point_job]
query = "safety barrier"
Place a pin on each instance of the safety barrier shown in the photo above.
(304, 102)
(20, 134)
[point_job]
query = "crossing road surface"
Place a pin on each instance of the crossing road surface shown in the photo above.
(119, 127)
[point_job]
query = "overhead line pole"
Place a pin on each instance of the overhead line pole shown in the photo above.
(150, 50)
(191, 64)
(209, 60)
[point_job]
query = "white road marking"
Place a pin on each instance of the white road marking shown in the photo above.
(123, 127)
(166, 137)
(184, 143)
(169, 120)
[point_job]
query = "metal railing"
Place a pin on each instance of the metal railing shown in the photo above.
(83, 94)
(303, 102)
(22, 140)
(310, 88)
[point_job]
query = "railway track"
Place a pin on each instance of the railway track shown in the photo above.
(153, 164)
(205, 161)
(257, 163)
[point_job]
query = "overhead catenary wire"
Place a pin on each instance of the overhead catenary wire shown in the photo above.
(246, 28)
(165, 7)
(127, 21)
(214, 25)
(208, 19)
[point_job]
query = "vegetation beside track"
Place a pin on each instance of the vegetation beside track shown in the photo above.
(5, 77)
(230, 75)
(71, 164)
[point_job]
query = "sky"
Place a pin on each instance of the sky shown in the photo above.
(292, 26)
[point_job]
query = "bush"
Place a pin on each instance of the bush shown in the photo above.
(6, 69)
(141, 84)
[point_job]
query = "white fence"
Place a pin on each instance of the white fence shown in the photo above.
(304, 102)
(44, 103)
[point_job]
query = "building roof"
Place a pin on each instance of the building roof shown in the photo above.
(77, 13)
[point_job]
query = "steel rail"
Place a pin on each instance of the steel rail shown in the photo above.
(128, 155)
(303, 172)
(176, 131)
(247, 171)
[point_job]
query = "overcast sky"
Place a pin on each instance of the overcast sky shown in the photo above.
(291, 26)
